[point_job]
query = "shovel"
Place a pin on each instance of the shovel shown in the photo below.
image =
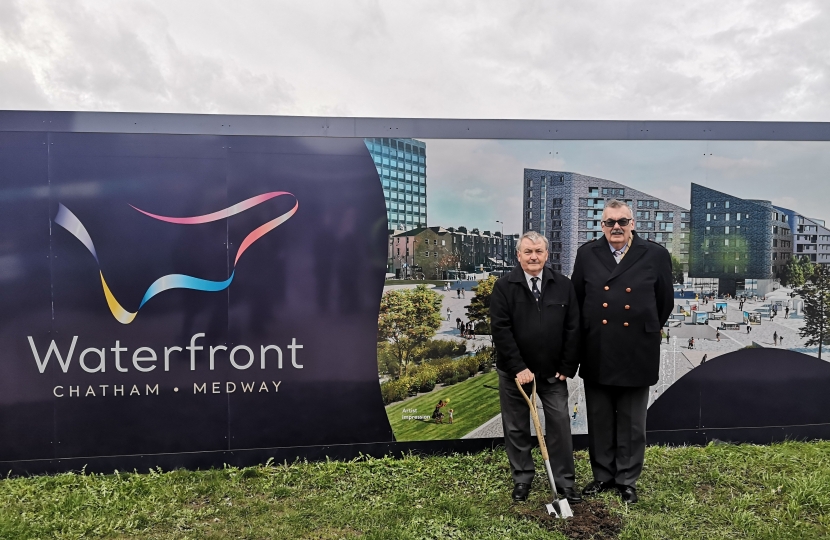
(559, 507)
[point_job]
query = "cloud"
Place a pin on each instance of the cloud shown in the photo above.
(477, 195)
(733, 166)
(83, 58)
(20, 88)
(756, 60)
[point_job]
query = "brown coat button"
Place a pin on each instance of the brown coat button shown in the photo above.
(627, 307)
(605, 305)
(628, 289)
(604, 321)
(625, 324)
(607, 287)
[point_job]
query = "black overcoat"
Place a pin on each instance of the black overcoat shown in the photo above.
(624, 307)
(541, 336)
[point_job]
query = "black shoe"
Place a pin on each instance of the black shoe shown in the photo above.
(597, 487)
(569, 493)
(520, 492)
(628, 494)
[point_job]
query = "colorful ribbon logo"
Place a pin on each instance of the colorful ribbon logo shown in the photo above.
(71, 223)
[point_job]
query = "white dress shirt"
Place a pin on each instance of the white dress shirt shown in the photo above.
(529, 279)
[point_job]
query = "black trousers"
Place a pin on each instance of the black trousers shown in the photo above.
(616, 431)
(515, 417)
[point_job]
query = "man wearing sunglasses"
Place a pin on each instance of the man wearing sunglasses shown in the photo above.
(624, 289)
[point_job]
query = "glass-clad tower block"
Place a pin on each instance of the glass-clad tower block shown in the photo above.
(402, 167)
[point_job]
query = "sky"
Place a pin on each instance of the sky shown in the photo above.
(474, 182)
(535, 59)
(545, 59)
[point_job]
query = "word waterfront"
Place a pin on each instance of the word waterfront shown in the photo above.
(144, 358)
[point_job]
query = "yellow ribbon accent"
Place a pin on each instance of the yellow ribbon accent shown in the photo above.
(121, 315)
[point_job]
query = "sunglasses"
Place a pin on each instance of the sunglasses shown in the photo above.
(611, 222)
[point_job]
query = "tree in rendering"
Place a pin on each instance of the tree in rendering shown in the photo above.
(792, 274)
(479, 309)
(407, 320)
(677, 271)
(447, 261)
(806, 266)
(816, 295)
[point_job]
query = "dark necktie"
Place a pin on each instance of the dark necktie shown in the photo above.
(535, 289)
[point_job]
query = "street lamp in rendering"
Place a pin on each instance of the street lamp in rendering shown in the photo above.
(502, 245)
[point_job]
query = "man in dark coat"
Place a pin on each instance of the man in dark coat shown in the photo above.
(535, 324)
(624, 287)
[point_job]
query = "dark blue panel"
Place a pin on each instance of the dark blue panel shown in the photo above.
(26, 403)
(315, 279)
(136, 208)
(749, 388)
(98, 177)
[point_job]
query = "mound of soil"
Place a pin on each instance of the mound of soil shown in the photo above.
(592, 520)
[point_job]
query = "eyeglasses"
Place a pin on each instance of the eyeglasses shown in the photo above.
(611, 222)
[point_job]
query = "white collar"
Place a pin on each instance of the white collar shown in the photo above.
(529, 277)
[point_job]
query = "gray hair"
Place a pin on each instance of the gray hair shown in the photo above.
(615, 203)
(534, 238)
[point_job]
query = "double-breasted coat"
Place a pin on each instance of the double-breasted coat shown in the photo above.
(623, 309)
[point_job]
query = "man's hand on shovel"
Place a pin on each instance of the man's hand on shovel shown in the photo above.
(525, 376)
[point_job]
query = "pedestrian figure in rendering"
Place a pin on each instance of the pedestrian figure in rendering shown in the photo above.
(437, 415)
(458, 291)
(534, 318)
(775, 338)
(668, 335)
(691, 344)
(449, 312)
(787, 312)
(576, 409)
(717, 335)
(462, 292)
(780, 341)
(451, 411)
(625, 291)
(703, 360)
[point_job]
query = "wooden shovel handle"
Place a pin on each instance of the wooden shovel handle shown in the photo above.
(534, 414)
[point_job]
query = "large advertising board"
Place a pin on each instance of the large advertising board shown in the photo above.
(175, 291)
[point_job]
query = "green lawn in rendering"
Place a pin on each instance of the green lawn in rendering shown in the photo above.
(714, 492)
(474, 401)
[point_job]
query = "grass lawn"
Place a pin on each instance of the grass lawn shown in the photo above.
(714, 492)
(474, 401)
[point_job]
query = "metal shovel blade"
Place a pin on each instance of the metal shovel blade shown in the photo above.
(560, 509)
